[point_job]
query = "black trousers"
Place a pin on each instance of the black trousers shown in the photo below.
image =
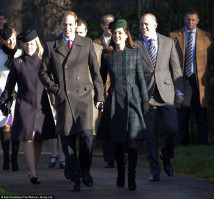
(78, 165)
(162, 118)
(200, 113)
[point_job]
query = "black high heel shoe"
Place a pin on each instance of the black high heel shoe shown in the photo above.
(52, 164)
(35, 180)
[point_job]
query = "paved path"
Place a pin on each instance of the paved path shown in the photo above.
(53, 183)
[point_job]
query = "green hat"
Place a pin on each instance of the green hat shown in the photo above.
(121, 23)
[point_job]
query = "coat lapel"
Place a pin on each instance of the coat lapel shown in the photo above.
(61, 47)
(146, 56)
(181, 40)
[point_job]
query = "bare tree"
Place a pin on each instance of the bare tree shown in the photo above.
(13, 9)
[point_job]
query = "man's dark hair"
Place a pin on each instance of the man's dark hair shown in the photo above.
(191, 11)
(81, 21)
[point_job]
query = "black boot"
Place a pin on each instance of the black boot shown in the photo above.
(132, 162)
(15, 150)
(119, 157)
(5, 141)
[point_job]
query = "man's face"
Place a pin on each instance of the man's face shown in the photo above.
(81, 30)
(68, 26)
(2, 22)
(106, 30)
(148, 26)
(191, 21)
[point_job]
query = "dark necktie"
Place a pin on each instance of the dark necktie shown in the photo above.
(152, 51)
(69, 44)
(189, 54)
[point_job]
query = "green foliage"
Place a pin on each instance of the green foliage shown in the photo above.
(195, 160)
(4, 190)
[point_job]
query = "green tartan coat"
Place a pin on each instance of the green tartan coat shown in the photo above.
(122, 118)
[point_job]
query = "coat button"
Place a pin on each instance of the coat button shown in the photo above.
(68, 91)
(78, 78)
(66, 66)
(77, 91)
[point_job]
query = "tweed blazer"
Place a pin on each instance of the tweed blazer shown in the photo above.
(204, 57)
(122, 116)
(166, 75)
(66, 74)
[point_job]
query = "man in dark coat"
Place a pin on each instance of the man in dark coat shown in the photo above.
(64, 72)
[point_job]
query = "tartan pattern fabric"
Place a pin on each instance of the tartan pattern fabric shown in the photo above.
(189, 54)
(127, 90)
(152, 52)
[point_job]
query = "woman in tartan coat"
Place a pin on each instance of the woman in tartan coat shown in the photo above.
(126, 101)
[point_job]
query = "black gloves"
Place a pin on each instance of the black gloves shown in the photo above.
(145, 107)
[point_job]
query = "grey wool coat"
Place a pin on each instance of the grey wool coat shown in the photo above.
(65, 73)
(122, 118)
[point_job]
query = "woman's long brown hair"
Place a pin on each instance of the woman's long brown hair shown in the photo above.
(129, 42)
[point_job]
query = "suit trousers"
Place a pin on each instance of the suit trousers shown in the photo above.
(200, 113)
(78, 165)
(162, 118)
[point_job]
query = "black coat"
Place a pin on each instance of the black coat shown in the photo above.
(66, 74)
(32, 109)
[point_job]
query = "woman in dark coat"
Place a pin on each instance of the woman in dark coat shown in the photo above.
(123, 115)
(32, 117)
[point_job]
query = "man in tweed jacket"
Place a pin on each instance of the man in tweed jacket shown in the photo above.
(164, 83)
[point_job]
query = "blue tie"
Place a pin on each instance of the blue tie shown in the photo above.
(189, 54)
(152, 52)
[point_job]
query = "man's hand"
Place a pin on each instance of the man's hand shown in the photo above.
(145, 107)
(99, 106)
(179, 100)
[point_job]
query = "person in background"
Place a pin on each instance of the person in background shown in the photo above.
(104, 40)
(195, 51)
(7, 53)
(82, 30)
(3, 20)
(122, 121)
(33, 120)
(64, 71)
(165, 88)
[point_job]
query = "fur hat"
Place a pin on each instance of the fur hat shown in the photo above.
(6, 32)
(28, 35)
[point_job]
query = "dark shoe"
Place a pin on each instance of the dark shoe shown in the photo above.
(154, 178)
(109, 164)
(168, 167)
(75, 187)
(35, 180)
(87, 180)
(132, 184)
(15, 166)
(67, 173)
(62, 165)
(120, 181)
(52, 163)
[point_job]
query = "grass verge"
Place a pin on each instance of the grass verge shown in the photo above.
(195, 160)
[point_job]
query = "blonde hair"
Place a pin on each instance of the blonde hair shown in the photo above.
(40, 49)
(151, 15)
(70, 13)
